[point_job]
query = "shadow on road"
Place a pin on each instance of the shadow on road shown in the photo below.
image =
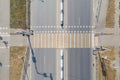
(35, 63)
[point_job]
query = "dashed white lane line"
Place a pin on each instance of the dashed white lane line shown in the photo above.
(56, 40)
(70, 40)
(78, 39)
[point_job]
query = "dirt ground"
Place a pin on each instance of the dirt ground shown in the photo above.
(18, 14)
(110, 14)
(16, 62)
(110, 72)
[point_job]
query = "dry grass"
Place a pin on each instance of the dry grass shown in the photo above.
(119, 5)
(110, 14)
(18, 13)
(119, 55)
(110, 54)
(16, 62)
(110, 72)
(119, 21)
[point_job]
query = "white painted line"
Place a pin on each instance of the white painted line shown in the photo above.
(45, 40)
(81, 40)
(34, 41)
(48, 40)
(38, 41)
(52, 40)
(70, 40)
(4, 35)
(89, 40)
(56, 40)
(6, 66)
(74, 26)
(74, 40)
(63, 39)
(85, 40)
(41, 40)
(67, 40)
(78, 39)
(5, 47)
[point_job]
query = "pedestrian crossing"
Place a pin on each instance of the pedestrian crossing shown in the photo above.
(4, 34)
(62, 39)
(59, 27)
(4, 31)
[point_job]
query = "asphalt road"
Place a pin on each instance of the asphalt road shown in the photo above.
(77, 13)
(45, 63)
(79, 64)
(43, 13)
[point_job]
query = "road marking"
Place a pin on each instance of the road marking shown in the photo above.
(89, 40)
(62, 39)
(78, 39)
(67, 41)
(45, 39)
(81, 40)
(52, 40)
(70, 41)
(4, 47)
(41, 39)
(74, 39)
(38, 41)
(56, 40)
(84, 40)
(48, 40)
